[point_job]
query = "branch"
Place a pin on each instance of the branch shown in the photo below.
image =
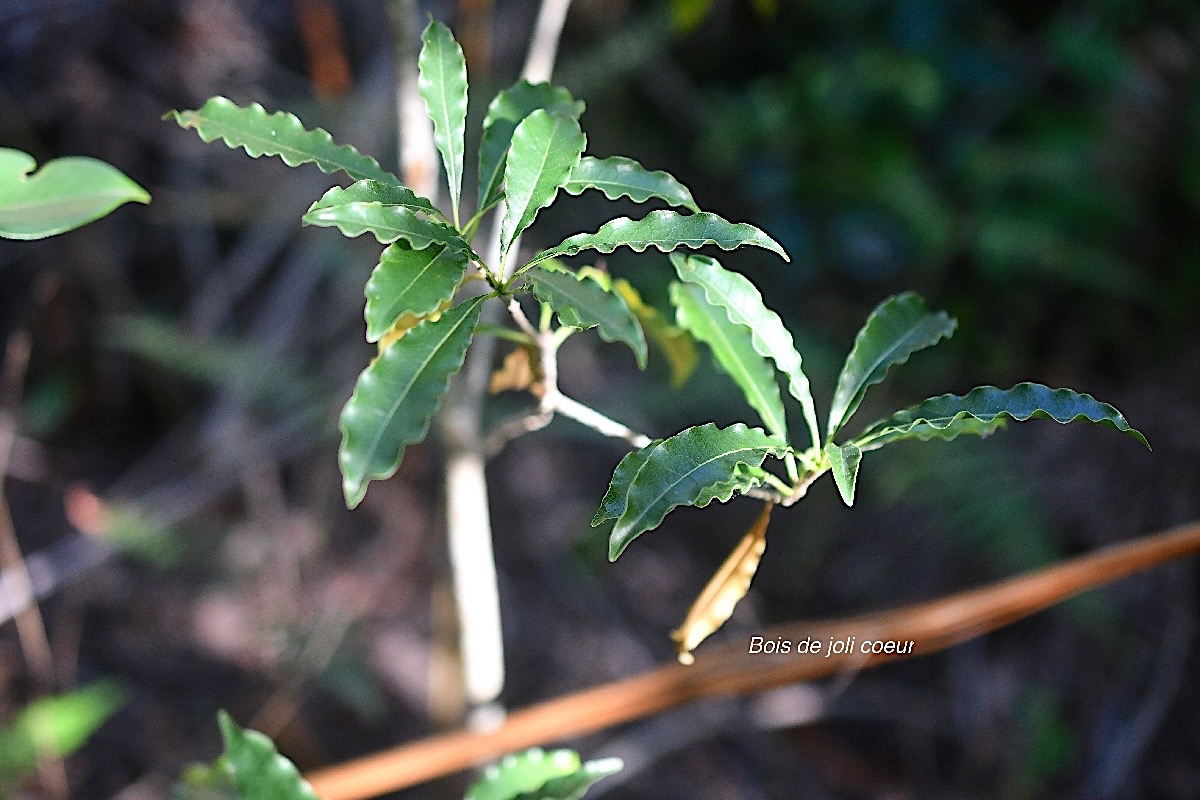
(730, 670)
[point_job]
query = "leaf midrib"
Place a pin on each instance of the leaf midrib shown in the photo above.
(408, 387)
(683, 477)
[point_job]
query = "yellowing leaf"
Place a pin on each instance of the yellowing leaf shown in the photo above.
(729, 585)
(407, 322)
(674, 342)
(515, 374)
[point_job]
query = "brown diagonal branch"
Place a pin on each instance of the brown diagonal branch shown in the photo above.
(730, 670)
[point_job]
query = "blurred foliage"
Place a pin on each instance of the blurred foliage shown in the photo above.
(54, 727)
(999, 157)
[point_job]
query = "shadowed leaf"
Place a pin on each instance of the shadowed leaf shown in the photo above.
(398, 394)
(582, 302)
(897, 328)
(733, 349)
(693, 467)
(981, 411)
(408, 281)
(744, 305)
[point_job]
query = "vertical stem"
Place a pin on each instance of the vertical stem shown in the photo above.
(468, 521)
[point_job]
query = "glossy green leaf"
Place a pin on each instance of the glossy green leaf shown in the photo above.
(64, 194)
(977, 413)
(620, 177)
(537, 775)
(693, 467)
(386, 223)
(368, 191)
(744, 305)
(733, 347)
(897, 328)
(666, 231)
(398, 394)
(54, 727)
(617, 497)
(442, 84)
(279, 134)
(258, 770)
(843, 461)
(673, 342)
(411, 281)
(582, 302)
(545, 148)
(506, 111)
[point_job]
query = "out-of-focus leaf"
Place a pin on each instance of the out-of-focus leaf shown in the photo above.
(674, 342)
(397, 396)
(666, 231)
(515, 374)
(724, 590)
(744, 305)
(977, 412)
(733, 347)
(538, 775)
(897, 328)
(583, 302)
(545, 148)
(442, 84)
(620, 177)
(54, 727)
(506, 111)
(279, 134)
(64, 194)
(844, 460)
(693, 467)
(408, 281)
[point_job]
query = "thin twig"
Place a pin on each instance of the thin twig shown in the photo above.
(731, 670)
(31, 630)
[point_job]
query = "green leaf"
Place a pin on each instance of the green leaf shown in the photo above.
(54, 727)
(675, 343)
(744, 305)
(369, 191)
(411, 281)
(538, 775)
(582, 302)
(733, 347)
(279, 134)
(65, 194)
(897, 328)
(844, 460)
(545, 148)
(506, 111)
(386, 223)
(442, 83)
(979, 412)
(258, 770)
(398, 394)
(693, 467)
(617, 497)
(623, 177)
(665, 230)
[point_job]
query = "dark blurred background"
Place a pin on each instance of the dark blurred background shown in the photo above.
(1034, 168)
